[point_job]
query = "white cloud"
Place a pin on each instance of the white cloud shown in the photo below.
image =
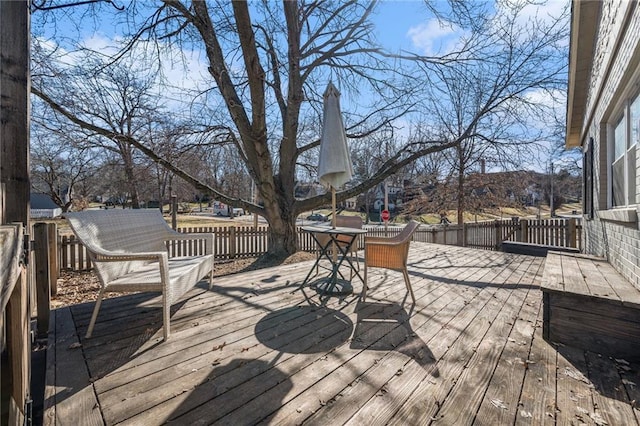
(433, 37)
(532, 13)
(546, 11)
(555, 99)
(100, 43)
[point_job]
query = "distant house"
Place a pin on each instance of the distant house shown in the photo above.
(43, 207)
(603, 117)
(350, 203)
(394, 197)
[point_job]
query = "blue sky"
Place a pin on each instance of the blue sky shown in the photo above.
(406, 24)
(395, 19)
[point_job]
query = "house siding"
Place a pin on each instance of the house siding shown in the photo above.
(616, 57)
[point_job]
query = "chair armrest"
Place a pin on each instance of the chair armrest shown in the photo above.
(386, 254)
(207, 236)
(111, 256)
(381, 241)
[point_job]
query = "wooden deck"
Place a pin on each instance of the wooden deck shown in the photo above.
(254, 351)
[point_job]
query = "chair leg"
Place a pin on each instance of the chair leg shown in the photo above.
(94, 316)
(408, 284)
(166, 315)
(211, 276)
(354, 258)
(364, 288)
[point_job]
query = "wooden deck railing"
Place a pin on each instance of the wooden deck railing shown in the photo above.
(15, 326)
(552, 232)
(237, 242)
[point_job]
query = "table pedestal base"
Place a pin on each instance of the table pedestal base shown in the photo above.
(333, 287)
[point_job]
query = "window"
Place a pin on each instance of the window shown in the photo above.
(626, 132)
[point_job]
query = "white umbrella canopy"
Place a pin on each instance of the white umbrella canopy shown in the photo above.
(334, 165)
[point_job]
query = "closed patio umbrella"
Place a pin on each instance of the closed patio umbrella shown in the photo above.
(334, 165)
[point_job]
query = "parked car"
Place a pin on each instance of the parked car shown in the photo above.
(317, 217)
(221, 209)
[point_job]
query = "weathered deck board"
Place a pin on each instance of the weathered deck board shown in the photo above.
(72, 396)
(256, 350)
(500, 402)
(604, 376)
(399, 341)
(471, 384)
(538, 395)
(575, 400)
(386, 399)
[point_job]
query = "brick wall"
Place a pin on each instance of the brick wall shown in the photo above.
(616, 59)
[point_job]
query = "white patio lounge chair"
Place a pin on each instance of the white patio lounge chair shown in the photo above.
(129, 253)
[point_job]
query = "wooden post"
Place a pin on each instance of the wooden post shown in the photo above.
(571, 233)
(174, 212)
(19, 346)
(14, 107)
(498, 234)
(465, 230)
(52, 230)
(524, 231)
(460, 234)
(232, 242)
(14, 195)
(42, 277)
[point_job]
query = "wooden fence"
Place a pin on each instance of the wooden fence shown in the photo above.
(237, 242)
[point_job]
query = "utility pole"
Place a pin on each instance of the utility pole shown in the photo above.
(551, 206)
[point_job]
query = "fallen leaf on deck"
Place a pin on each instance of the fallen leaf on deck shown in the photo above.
(219, 347)
(576, 375)
(526, 414)
(597, 419)
(498, 403)
(75, 345)
(628, 382)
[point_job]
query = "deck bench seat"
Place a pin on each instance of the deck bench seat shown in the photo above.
(129, 252)
(587, 304)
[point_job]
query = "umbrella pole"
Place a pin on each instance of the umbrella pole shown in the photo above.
(333, 207)
(333, 225)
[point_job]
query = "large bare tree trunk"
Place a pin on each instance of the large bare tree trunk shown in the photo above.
(282, 238)
(127, 157)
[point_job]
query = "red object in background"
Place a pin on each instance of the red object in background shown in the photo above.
(384, 214)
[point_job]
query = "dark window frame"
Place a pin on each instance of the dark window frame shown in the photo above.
(587, 180)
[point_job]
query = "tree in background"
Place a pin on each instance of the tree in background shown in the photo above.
(495, 102)
(268, 64)
(59, 169)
